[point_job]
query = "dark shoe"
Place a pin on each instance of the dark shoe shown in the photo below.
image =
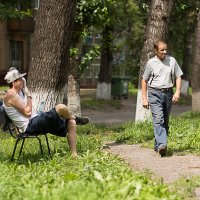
(162, 150)
(82, 120)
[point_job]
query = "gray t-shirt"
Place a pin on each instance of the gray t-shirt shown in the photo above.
(162, 73)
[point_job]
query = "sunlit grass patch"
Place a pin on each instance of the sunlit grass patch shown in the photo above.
(134, 133)
(4, 87)
(101, 103)
(94, 175)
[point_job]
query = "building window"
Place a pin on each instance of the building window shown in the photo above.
(35, 4)
(16, 54)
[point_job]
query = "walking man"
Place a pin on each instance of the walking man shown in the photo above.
(162, 72)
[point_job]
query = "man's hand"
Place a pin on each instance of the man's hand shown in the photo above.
(145, 103)
(176, 97)
(25, 89)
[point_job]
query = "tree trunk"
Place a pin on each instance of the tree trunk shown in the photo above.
(73, 92)
(50, 53)
(156, 29)
(187, 60)
(104, 80)
(196, 70)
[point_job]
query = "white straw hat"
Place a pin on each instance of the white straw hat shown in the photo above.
(13, 75)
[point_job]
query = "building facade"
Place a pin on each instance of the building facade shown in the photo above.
(15, 45)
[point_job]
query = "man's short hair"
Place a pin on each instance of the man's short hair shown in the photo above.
(157, 42)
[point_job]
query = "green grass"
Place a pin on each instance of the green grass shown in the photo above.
(3, 88)
(184, 134)
(98, 104)
(94, 175)
(88, 100)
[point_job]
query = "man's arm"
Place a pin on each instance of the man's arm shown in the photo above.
(176, 95)
(12, 99)
(145, 102)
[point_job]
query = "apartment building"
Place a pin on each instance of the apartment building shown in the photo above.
(15, 41)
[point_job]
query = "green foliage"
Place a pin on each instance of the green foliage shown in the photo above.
(88, 57)
(94, 12)
(127, 22)
(183, 18)
(8, 12)
(129, 31)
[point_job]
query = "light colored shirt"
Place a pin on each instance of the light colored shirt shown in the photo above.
(17, 118)
(162, 73)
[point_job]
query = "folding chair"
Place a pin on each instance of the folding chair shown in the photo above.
(9, 126)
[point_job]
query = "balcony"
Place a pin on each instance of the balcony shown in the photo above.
(23, 25)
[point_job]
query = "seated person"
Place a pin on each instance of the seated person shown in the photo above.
(58, 121)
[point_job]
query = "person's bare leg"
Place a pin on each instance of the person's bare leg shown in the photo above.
(64, 112)
(71, 137)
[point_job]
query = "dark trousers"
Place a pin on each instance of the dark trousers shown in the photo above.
(160, 104)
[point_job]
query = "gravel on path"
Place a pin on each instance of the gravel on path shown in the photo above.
(169, 168)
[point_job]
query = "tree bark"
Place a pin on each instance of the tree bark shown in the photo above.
(104, 80)
(50, 51)
(73, 92)
(72, 97)
(158, 18)
(196, 70)
(187, 60)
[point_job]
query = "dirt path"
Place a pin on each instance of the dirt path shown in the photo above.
(169, 168)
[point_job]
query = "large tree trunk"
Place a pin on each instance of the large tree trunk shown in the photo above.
(50, 53)
(104, 80)
(196, 70)
(156, 29)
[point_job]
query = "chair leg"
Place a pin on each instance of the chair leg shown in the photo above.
(40, 145)
(20, 152)
(48, 144)
(18, 139)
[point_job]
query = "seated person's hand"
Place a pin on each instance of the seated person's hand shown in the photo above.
(25, 89)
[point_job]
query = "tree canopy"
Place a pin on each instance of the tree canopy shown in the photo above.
(12, 9)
